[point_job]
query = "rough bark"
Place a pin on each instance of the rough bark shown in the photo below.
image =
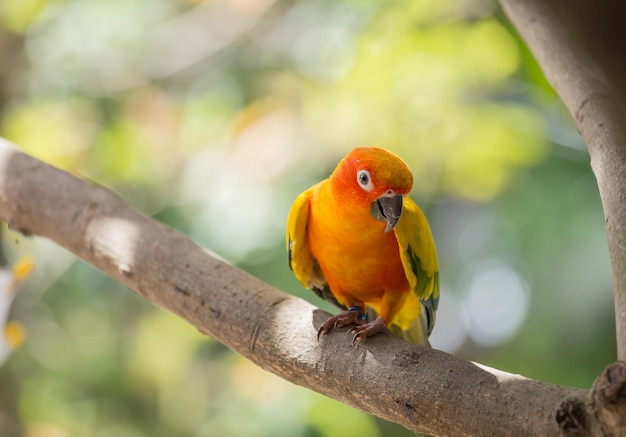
(600, 119)
(598, 27)
(425, 390)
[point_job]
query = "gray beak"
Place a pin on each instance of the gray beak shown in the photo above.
(387, 209)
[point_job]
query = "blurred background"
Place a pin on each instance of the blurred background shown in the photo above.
(212, 116)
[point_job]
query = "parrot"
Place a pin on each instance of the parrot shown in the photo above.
(358, 241)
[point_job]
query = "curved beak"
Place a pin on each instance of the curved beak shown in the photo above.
(387, 209)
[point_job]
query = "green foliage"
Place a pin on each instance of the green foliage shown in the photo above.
(213, 116)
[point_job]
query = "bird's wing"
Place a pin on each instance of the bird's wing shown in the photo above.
(419, 258)
(301, 261)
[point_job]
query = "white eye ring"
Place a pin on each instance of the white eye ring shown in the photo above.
(365, 180)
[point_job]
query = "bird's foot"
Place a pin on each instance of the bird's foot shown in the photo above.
(351, 316)
(365, 330)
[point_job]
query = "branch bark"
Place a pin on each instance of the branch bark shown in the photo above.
(425, 390)
(600, 120)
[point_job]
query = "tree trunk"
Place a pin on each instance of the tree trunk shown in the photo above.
(600, 118)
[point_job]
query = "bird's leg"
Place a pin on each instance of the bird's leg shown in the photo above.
(353, 315)
(390, 305)
(365, 330)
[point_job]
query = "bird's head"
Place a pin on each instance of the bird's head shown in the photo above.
(374, 178)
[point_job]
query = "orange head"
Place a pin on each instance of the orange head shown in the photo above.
(374, 178)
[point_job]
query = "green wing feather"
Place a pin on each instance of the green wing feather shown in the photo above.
(419, 258)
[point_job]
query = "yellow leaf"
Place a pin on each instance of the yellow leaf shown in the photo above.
(23, 267)
(14, 333)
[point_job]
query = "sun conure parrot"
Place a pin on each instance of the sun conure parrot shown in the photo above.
(357, 240)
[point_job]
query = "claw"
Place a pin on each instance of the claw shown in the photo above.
(353, 315)
(365, 330)
(357, 332)
(320, 332)
(355, 338)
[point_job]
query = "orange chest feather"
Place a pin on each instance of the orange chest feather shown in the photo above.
(357, 258)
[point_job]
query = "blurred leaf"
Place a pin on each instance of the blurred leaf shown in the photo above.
(17, 16)
(57, 131)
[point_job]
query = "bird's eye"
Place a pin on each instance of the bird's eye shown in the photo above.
(364, 179)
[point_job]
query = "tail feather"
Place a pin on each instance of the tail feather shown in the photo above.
(420, 328)
(429, 312)
(417, 333)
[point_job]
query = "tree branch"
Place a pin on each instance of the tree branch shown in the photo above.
(601, 122)
(425, 390)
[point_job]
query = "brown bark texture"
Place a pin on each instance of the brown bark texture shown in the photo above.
(425, 390)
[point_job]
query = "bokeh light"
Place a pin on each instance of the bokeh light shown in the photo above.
(212, 116)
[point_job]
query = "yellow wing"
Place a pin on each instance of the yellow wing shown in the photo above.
(301, 261)
(419, 258)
